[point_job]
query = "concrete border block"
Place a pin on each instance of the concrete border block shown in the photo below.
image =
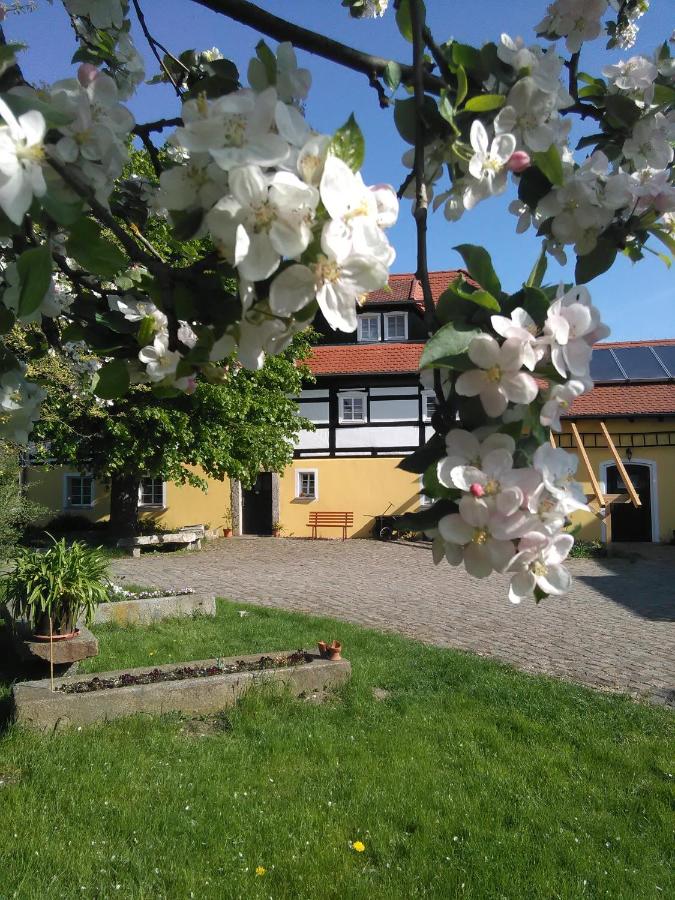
(36, 706)
(155, 609)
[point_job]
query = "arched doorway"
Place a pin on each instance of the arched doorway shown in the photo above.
(629, 523)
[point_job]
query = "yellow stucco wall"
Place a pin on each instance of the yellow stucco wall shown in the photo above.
(663, 457)
(362, 485)
(185, 505)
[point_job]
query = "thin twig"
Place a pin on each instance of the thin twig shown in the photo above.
(382, 98)
(437, 54)
(282, 30)
(409, 178)
(152, 153)
(158, 125)
(153, 44)
(573, 66)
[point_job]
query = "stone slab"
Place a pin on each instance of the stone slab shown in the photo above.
(36, 706)
(150, 540)
(144, 612)
(63, 653)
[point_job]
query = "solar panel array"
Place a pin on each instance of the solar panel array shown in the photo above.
(621, 364)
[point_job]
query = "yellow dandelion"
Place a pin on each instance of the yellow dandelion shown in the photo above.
(260, 871)
(359, 846)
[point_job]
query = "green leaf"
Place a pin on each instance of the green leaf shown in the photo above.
(450, 340)
(146, 331)
(479, 266)
(469, 58)
(269, 61)
(462, 85)
(64, 207)
(550, 163)
(445, 108)
(622, 109)
(664, 94)
(94, 253)
(479, 297)
(485, 102)
(392, 75)
(404, 21)
(662, 235)
(405, 119)
(72, 333)
(35, 275)
(536, 303)
(348, 144)
(536, 276)
(596, 262)
(112, 380)
(420, 460)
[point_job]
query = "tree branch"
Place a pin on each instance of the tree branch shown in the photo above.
(153, 44)
(437, 54)
(159, 125)
(282, 30)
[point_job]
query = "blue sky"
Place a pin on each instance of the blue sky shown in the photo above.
(638, 301)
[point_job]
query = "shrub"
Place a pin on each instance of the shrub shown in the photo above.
(16, 511)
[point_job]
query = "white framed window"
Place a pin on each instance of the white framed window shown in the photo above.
(369, 327)
(307, 484)
(396, 326)
(353, 408)
(151, 492)
(78, 491)
(429, 405)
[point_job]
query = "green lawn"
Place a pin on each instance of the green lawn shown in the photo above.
(469, 780)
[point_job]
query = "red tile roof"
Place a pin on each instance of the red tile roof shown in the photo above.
(607, 400)
(405, 288)
(362, 359)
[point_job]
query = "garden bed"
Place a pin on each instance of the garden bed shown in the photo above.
(171, 688)
(140, 610)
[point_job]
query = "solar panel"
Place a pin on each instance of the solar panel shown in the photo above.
(639, 364)
(667, 356)
(604, 367)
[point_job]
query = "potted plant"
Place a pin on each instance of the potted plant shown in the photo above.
(330, 651)
(52, 590)
(276, 529)
(227, 526)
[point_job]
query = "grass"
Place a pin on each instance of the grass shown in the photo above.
(469, 780)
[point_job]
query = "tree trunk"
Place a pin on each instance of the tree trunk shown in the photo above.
(124, 505)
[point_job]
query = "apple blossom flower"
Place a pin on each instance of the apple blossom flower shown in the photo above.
(159, 361)
(575, 20)
(468, 538)
(526, 115)
(522, 327)
(488, 164)
(87, 73)
(559, 400)
(650, 144)
(557, 468)
(262, 219)
(634, 76)
(21, 157)
(465, 449)
(538, 565)
(499, 379)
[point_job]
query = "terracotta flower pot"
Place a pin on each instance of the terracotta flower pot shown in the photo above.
(227, 532)
(330, 651)
(276, 532)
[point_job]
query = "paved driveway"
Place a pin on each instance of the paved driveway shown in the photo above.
(614, 631)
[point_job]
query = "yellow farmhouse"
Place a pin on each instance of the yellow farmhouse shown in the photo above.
(370, 409)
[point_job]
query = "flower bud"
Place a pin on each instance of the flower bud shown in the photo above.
(518, 162)
(477, 489)
(87, 73)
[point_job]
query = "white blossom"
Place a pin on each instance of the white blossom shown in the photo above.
(488, 164)
(499, 379)
(21, 158)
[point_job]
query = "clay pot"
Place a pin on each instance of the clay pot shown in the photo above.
(276, 532)
(227, 532)
(330, 651)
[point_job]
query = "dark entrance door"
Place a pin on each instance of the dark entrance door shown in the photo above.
(257, 506)
(629, 523)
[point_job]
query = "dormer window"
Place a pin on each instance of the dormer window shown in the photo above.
(369, 327)
(395, 326)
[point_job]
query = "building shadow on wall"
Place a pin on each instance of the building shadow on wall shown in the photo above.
(639, 595)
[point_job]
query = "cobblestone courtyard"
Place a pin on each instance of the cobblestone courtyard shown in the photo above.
(614, 631)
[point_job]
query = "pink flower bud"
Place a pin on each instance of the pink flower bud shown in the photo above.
(87, 73)
(518, 162)
(477, 489)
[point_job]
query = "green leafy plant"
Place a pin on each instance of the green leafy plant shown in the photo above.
(16, 511)
(57, 586)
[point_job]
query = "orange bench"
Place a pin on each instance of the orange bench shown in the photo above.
(343, 520)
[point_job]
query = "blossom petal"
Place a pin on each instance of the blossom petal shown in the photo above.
(292, 289)
(454, 530)
(484, 351)
(522, 586)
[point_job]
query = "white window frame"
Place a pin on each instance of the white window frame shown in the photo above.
(67, 504)
(426, 416)
(353, 395)
(369, 317)
(387, 318)
(141, 504)
(298, 482)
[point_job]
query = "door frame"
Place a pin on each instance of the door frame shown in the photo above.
(654, 497)
(236, 503)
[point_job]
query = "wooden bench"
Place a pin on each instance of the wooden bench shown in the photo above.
(192, 540)
(343, 520)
